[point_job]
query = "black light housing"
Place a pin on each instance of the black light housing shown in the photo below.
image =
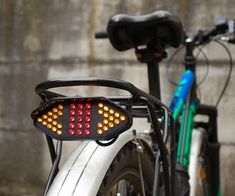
(95, 118)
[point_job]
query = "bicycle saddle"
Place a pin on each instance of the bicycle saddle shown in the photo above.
(160, 27)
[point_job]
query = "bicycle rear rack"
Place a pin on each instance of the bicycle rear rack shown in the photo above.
(140, 104)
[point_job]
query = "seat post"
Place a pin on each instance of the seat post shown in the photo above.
(154, 79)
(152, 56)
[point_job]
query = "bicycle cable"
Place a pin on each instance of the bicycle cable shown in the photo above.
(199, 52)
(229, 73)
(207, 69)
(207, 62)
(169, 64)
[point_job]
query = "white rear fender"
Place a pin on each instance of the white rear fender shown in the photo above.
(196, 144)
(83, 172)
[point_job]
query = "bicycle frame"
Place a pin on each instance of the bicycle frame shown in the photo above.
(181, 104)
(185, 103)
(183, 107)
(151, 103)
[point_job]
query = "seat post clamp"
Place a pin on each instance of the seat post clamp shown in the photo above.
(147, 55)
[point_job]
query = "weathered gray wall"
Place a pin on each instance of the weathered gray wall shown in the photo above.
(43, 39)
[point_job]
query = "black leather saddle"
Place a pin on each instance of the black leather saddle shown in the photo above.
(160, 27)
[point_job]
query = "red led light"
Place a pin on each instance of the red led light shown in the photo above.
(87, 132)
(71, 125)
(88, 112)
(80, 112)
(80, 106)
(87, 125)
(71, 132)
(88, 105)
(87, 118)
(71, 119)
(79, 132)
(79, 119)
(79, 125)
(72, 112)
(72, 106)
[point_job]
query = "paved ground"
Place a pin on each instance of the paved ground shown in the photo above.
(19, 189)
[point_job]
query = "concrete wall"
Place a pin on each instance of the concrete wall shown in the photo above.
(46, 39)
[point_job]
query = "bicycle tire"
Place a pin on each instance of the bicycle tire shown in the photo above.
(123, 174)
(209, 169)
(204, 185)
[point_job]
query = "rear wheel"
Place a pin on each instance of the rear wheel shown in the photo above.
(202, 185)
(123, 176)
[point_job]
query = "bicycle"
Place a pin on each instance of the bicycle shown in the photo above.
(122, 161)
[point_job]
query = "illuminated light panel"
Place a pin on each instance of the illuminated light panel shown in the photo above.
(111, 125)
(55, 110)
(79, 132)
(111, 118)
(49, 126)
(100, 125)
(122, 118)
(88, 112)
(99, 131)
(106, 108)
(87, 125)
(39, 120)
(50, 121)
(71, 132)
(59, 126)
(61, 107)
(100, 112)
(105, 121)
(71, 125)
(54, 116)
(72, 106)
(81, 118)
(116, 121)
(117, 115)
(72, 112)
(79, 115)
(60, 113)
(54, 129)
(105, 128)
(59, 132)
(87, 118)
(80, 106)
(80, 112)
(101, 105)
(79, 125)
(111, 111)
(88, 105)
(87, 132)
(71, 119)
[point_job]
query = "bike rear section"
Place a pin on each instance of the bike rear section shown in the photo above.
(102, 120)
(121, 159)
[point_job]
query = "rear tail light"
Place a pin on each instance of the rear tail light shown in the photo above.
(81, 118)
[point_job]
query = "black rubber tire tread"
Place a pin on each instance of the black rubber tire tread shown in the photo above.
(126, 161)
